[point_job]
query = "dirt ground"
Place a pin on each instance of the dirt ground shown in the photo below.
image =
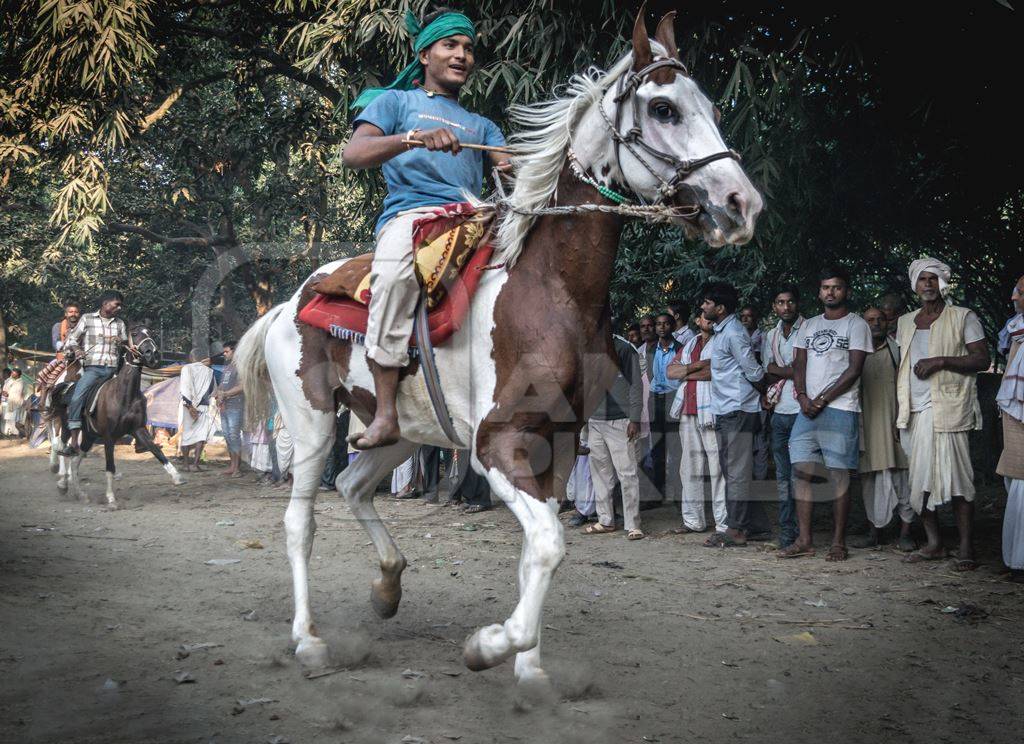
(659, 640)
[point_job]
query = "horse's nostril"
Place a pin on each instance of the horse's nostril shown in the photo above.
(739, 204)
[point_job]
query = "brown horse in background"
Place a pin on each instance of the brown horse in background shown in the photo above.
(119, 410)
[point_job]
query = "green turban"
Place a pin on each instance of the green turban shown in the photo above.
(445, 25)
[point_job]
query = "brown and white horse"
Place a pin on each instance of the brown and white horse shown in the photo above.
(520, 375)
(120, 411)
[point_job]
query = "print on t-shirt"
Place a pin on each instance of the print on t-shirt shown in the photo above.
(828, 344)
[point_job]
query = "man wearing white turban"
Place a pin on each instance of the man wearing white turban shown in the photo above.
(942, 349)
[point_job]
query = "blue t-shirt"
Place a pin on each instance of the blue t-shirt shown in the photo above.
(419, 177)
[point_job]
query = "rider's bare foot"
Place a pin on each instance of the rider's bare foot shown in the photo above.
(380, 433)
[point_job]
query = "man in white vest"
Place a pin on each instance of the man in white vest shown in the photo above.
(942, 349)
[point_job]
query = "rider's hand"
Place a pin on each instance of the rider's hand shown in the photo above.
(440, 140)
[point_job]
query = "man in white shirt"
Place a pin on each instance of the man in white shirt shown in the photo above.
(829, 355)
(777, 356)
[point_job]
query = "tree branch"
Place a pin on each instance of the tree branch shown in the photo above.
(155, 237)
(172, 98)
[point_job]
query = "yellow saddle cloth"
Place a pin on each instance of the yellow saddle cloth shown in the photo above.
(442, 245)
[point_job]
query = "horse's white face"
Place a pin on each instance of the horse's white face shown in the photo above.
(675, 119)
(678, 119)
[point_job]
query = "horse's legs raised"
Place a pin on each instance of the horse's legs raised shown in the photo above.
(300, 526)
(543, 549)
(143, 438)
(357, 484)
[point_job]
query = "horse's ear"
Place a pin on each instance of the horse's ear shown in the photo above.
(642, 55)
(666, 34)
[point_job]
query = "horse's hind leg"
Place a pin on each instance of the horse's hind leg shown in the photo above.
(357, 484)
(543, 550)
(142, 437)
(310, 452)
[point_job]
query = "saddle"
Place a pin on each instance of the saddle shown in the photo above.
(65, 390)
(451, 248)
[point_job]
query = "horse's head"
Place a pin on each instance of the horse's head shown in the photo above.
(659, 137)
(148, 349)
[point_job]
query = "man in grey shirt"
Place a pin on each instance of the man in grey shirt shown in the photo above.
(736, 379)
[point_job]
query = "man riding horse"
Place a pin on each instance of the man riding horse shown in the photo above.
(421, 104)
(96, 340)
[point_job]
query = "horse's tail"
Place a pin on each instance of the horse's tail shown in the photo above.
(251, 362)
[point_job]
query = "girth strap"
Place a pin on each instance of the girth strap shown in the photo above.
(430, 376)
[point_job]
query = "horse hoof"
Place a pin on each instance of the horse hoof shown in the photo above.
(62, 486)
(534, 693)
(312, 653)
(179, 481)
(474, 653)
(385, 600)
(55, 468)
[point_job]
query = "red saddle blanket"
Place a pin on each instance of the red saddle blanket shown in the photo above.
(345, 318)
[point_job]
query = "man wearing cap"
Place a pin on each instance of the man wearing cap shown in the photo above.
(421, 104)
(942, 349)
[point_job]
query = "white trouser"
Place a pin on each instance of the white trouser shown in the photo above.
(284, 446)
(613, 457)
(883, 491)
(700, 456)
(393, 291)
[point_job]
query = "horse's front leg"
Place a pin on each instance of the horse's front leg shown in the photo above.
(108, 452)
(543, 550)
(142, 437)
(56, 463)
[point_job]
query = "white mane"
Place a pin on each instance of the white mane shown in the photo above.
(541, 145)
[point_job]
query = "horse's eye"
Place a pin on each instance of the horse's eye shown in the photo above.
(663, 111)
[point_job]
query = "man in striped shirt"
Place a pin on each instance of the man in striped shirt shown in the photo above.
(96, 340)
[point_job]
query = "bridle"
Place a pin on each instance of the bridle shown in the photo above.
(133, 356)
(660, 210)
(633, 140)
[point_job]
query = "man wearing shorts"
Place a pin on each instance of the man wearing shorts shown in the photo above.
(829, 356)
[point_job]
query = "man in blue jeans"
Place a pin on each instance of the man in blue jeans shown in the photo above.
(232, 403)
(777, 356)
(96, 340)
(830, 350)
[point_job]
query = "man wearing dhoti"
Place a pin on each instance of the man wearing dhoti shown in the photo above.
(883, 464)
(1010, 400)
(942, 350)
(195, 419)
(14, 401)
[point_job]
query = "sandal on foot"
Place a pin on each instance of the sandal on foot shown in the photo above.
(598, 529)
(684, 530)
(795, 551)
(920, 557)
(475, 509)
(635, 535)
(723, 540)
(837, 553)
(906, 545)
(963, 565)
